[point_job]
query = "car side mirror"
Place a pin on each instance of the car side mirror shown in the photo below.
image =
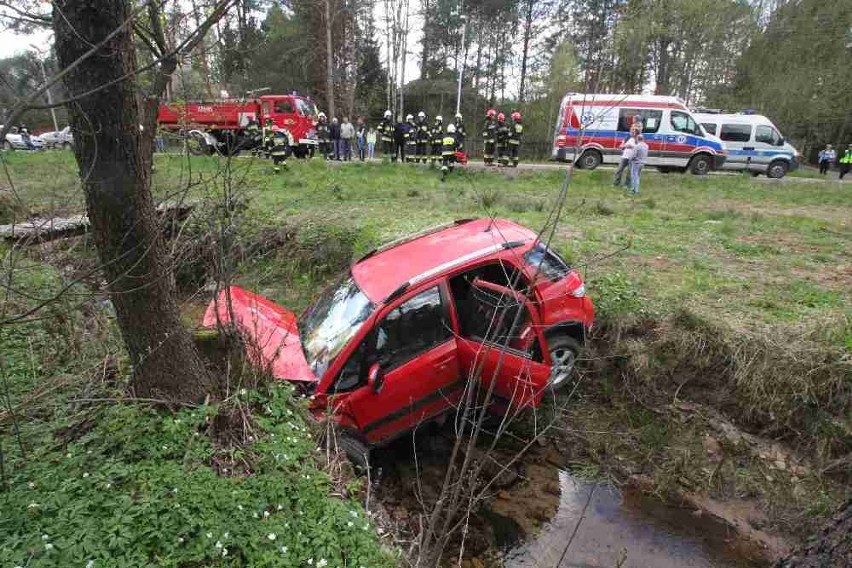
(375, 377)
(782, 141)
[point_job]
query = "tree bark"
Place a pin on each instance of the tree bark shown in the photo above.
(329, 61)
(114, 159)
(526, 49)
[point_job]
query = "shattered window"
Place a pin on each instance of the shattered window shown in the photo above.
(414, 327)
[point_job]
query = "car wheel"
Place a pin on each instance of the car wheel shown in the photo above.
(700, 165)
(777, 169)
(357, 452)
(590, 159)
(564, 351)
(6, 145)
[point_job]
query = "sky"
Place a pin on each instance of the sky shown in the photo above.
(13, 44)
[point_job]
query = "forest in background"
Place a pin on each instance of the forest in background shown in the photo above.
(787, 59)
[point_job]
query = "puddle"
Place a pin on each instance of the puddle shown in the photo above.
(628, 527)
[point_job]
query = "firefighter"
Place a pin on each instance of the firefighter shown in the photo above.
(323, 134)
(449, 146)
(422, 137)
(516, 131)
(254, 135)
(437, 137)
(410, 136)
(399, 139)
(502, 134)
(280, 148)
(460, 131)
(489, 135)
(386, 129)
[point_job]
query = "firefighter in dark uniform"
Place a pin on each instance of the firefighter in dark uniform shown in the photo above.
(386, 128)
(460, 131)
(410, 136)
(323, 135)
(400, 138)
(254, 136)
(436, 135)
(449, 146)
(422, 137)
(280, 149)
(516, 132)
(502, 140)
(489, 136)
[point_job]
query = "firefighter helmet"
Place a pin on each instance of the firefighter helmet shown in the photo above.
(321, 116)
(421, 115)
(439, 118)
(458, 116)
(409, 117)
(451, 129)
(388, 114)
(516, 116)
(501, 117)
(490, 113)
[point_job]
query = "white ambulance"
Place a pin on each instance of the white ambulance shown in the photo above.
(753, 143)
(591, 127)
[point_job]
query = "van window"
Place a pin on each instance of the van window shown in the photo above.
(650, 119)
(283, 107)
(735, 132)
(710, 127)
(682, 122)
(767, 135)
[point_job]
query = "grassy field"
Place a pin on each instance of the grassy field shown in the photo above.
(727, 293)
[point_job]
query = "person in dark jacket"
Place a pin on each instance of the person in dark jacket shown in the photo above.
(449, 147)
(400, 137)
(461, 133)
(489, 137)
(334, 136)
(516, 132)
(280, 150)
(410, 139)
(502, 134)
(323, 135)
(422, 137)
(387, 132)
(436, 134)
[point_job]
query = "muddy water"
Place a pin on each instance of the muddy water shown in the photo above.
(625, 527)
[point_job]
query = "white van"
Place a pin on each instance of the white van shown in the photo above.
(753, 143)
(591, 127)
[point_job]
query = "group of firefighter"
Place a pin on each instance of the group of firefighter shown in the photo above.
(413, 141)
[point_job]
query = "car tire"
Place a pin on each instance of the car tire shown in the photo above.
(776, 169)
(357, 452)
(700, 165)
(590, 159)
(564, 352)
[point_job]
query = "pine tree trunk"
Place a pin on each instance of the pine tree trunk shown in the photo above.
(115, 168)
(526, 49)
(329, 61)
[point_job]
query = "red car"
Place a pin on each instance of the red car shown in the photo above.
(392, 343)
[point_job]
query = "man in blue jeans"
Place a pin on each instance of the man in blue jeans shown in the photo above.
(640, 155)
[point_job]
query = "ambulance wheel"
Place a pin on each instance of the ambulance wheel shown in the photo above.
(590, 159)
(776, 169)
(700, 165)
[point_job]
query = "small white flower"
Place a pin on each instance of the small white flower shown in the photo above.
(254, 515)
(266, 514)
(226, 535)
(350, 524)
(90, 564)
(48, 546)
(31, 485)
(283, 550)
(209, 535)
(279, 507)
(89, 452)
(108, 485)
(239, 507)
(165, 448)
(310, 561)
(33, 506)
(174, 490)
(219, 544)
(224, 552)
(353, 513)
(224, 470)
(251, 438)
(271, 536)
(44, 537)
(322, 563)
(85, 474)
(68, 455)
(180, 539)
(242, 392)
(196, 434)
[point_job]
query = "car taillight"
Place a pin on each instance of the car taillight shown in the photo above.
(579, 291)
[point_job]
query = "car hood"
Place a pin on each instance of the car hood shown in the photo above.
(270, 331)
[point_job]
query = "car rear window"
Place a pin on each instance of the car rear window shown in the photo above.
(735, 132)
(548, 262)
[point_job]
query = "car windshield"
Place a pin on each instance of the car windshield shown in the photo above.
(331, 321)
(306, 108)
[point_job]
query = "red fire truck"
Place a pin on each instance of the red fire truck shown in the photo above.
(223, 126)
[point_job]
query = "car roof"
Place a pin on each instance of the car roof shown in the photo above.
(389, 270)
(734, 118)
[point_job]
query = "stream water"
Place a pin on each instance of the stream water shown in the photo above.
(626, 527)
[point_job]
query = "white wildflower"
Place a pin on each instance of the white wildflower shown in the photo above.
(90, 564)
(174, 490)
(350, 524)
(254, 515)
(353, 513)
(322, 563)
(108, 485)
(226, 535)
(279, 507)
(283, 550)
(310, 561)
(31, 485)
(219, 544)
(85, 474)
(266, 514)
(243, 392)
(271, 536)
(239, 507)
(210, 535)
(68, 455)
(224, 552)
(48, 546)
(180, 539)
(44, 537)
(165, 448)
(33, 506)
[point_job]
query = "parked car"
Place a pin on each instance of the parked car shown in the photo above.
(16, 140)
(392, 343)
(590, 129)
(58, 138)
(753, 143)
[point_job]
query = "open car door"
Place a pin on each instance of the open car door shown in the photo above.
(501, 341)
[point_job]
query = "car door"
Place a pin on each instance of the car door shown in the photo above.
(412, 354)
(500, 341)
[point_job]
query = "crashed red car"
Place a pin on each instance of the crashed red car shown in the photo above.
(392, 343)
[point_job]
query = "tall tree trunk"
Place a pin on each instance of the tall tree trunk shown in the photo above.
(526, 49)
(329, 61)
(115, 166)
(424, 54)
